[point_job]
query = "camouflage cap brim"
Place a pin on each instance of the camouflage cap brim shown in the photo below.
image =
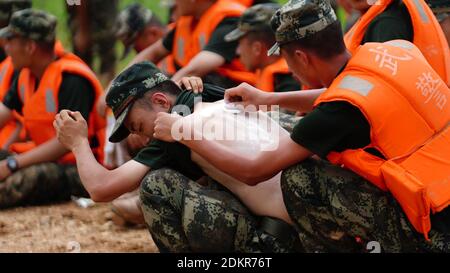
(274, 50)
(6, 33)
(234, 35)
(120, 132)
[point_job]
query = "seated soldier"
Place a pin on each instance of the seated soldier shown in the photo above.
(47, 82)
(136, 96)
(138, 28)
(382, 126)
(13, 129)
(255, 37)
(197, 43)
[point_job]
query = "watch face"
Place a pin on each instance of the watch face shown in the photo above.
(12, 164)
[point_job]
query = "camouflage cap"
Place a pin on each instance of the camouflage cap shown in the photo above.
(34, 24)
(8, 7)
(126, 88)
(298, 19)
(254, 18)
(131, 21)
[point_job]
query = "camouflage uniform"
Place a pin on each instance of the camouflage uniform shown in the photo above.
(102, 15)
(183, 216)
(46, 182)
(332, 206)
(40, 184)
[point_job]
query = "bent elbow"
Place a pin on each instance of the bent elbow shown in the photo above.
(98, 194)
(251, 174)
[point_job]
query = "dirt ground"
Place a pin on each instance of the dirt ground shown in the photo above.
(69, 228)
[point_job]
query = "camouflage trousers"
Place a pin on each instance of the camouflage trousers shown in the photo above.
(40, 184)
(332, 206)
(184, 216)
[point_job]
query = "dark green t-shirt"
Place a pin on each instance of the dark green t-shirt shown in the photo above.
(216, 44)
(285, 83)
(159, 154)
(394, 23)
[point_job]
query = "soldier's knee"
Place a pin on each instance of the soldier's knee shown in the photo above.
(297, 179)
(155, 181)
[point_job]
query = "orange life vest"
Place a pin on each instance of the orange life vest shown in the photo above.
(246, 3)
(13, 127)
(407, 106)
(191, 37)
(265, 78)
(40, 106)
(428, 34)
(167, 65)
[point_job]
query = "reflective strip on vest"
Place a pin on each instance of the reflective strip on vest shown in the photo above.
(422, 13)
(50, 104)
(401, 44)
(180, 53)
(202, 40)
(3, 72)
(22, 92)
(355, 84)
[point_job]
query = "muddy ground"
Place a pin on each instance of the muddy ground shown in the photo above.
(69, 228)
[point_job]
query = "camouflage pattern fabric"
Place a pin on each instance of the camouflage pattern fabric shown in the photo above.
(299, 19)
(34, 24)
(255, 18)
(126, 88)
(184, 216)
(331, 206)
(40, 184)
(102, 15)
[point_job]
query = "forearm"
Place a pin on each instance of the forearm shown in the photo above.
(202, 64)
(93, 175)
(190, 70)
(5, 115)
(154, 53)
(49, 151)
(295, 100)
(105, 185)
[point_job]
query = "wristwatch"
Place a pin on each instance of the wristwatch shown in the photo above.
(12, 164)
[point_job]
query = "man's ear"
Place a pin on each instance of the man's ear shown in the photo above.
(30, 47)
(155, 32)
(257, 48)
(302, 58)
(160, 99)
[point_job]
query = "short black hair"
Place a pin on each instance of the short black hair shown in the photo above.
(167, 87)
(46, 46)
(264, 35)
(326, 43)
(155, 22)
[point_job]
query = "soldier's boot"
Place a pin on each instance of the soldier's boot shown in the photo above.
(127, 210)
